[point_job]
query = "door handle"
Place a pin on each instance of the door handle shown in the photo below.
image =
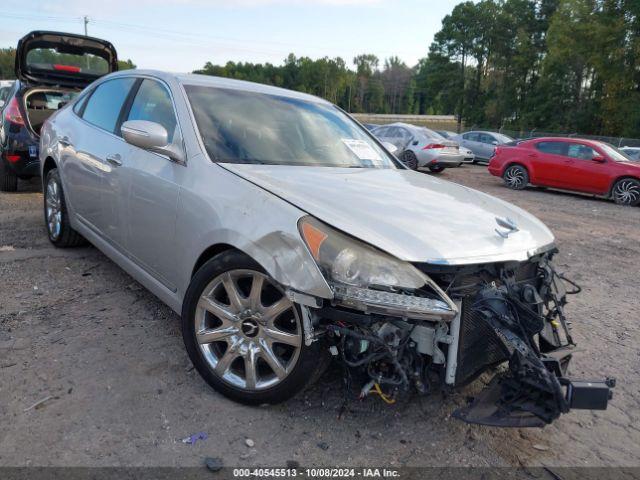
(64, 141)
(114, 159)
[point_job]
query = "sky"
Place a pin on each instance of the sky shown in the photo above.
(182, 35)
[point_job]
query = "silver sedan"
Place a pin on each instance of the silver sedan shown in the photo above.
(284, 233)
(420, 147)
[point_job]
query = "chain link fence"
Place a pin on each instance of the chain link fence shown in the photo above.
(448, 122)
(535, 133)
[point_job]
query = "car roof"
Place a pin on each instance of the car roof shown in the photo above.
(220, 82)
(586, 141)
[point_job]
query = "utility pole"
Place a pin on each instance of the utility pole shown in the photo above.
(86, 21)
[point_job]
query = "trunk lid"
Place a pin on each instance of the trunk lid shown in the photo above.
(63, 59)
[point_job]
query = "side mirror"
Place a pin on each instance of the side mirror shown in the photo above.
(150, 136)
(390, 147)
(495, 142)
(599, 159)
(415, 141)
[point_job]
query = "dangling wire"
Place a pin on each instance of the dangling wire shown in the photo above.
(385, 398)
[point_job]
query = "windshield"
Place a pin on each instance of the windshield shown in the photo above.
(614, 153)
(425, 133)
(247, 127)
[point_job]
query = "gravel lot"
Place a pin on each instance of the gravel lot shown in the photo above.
(107, 358)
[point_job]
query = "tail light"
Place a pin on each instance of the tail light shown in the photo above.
(12, 112)
(12, 158)
(433, 145)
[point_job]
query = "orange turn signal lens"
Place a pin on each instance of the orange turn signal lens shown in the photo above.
(314, 237)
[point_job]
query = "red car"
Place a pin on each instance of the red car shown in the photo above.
(570, 164)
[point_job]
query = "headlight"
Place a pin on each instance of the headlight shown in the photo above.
(365, 278)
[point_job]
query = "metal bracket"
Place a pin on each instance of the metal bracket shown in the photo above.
(307, 326)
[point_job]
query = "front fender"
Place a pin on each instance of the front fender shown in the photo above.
(218, 207)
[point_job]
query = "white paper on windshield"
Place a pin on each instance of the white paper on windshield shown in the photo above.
(363, 150)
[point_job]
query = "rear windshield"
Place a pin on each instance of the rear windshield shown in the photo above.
(247, 127)
(51, 60)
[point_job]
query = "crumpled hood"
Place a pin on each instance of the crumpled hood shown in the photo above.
(411, 215)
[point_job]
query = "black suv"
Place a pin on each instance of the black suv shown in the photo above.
(52, 68)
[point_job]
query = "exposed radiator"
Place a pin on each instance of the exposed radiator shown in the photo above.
(479, 347)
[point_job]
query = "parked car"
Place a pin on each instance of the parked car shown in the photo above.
(420, 147)
(5, 90)
(482, 144)
(571, 164)
(632, 152)
(51, 68)
(283, 233)
(469, 156)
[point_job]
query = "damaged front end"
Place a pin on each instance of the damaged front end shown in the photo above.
(464, 321)
(523, 310)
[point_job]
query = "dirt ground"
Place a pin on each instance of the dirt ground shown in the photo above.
(107, 357)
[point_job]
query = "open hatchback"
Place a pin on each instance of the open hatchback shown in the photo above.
(51, 68)
(63, 59)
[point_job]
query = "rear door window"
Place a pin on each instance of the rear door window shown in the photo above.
(105, 103)
(486, 138)
(553, 148)
(471, 136)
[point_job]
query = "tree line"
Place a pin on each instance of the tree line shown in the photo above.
(557, 65)
(554, 65)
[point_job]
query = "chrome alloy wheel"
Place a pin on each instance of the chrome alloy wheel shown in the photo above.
(247, 330)
(53, 207)
(626, 192)
(514, 177)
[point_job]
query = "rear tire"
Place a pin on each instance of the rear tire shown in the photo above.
(516, 177)
(626, 191)
(235, 343)
(56, 217)
(409, 159)
(8, 178)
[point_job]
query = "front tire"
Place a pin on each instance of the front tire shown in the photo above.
(626, 191)
(243, 334)
(436, 169)
(8, 178)
(56, 216)
(516, 177)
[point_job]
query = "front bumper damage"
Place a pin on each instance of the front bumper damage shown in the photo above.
(534, 390)
(505, 313)
(529, 327)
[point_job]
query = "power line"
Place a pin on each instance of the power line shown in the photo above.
(173, 34)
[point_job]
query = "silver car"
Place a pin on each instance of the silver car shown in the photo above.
(284, 234)
(632, 152)
(420, 147)
(482, 144)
